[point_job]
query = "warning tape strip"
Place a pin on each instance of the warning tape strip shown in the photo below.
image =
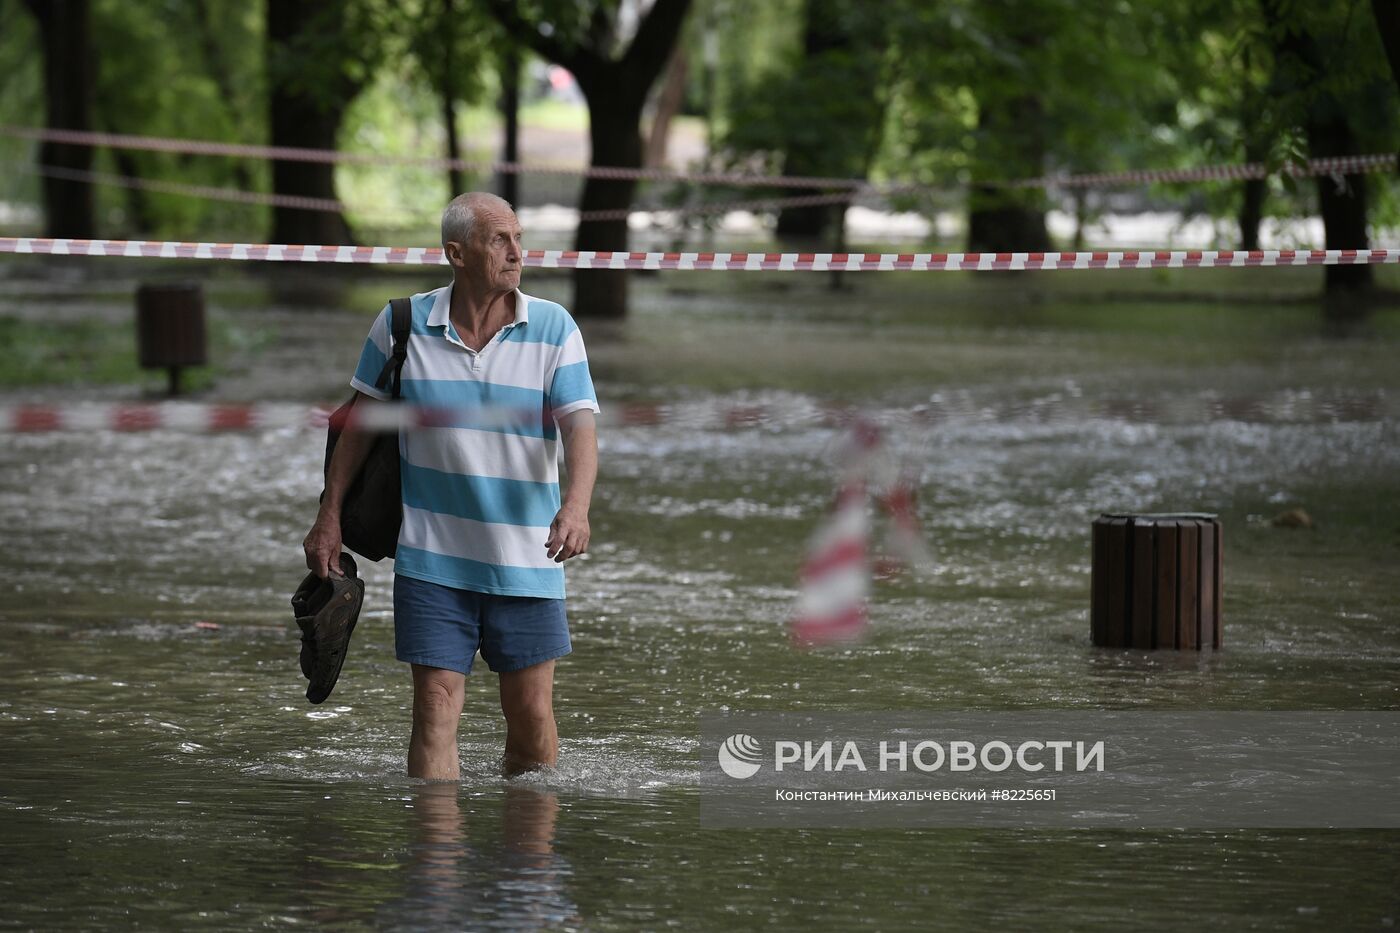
(331, 205)
(218, 417)
(1337, 165)
(213, 417)
(331, 156)
(208, 192)
(719, 262)
(724, 207)
(1340, 165)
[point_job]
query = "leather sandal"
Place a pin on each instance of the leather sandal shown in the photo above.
(326, 612)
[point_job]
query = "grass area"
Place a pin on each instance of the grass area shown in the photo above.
(900, 332)
(1148, 330)
(97, 352)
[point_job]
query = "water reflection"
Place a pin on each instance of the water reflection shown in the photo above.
(459, 877)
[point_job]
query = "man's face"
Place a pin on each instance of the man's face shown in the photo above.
(494, 254)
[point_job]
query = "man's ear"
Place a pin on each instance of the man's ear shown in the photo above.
(453, 250)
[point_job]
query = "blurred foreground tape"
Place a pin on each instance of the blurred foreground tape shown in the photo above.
(836, 575)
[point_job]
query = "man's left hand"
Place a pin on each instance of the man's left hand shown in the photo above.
(568, 535)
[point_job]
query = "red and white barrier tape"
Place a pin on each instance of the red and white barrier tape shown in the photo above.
(1339, 165)
(718, 262)
(207, 192)
(834, 602)
(333, 156)
(1290, 408)
(198, 417)
(215, 417)
(837, 573)
(172, 416)
(1376, 162)
(724, 207)
(330, 205)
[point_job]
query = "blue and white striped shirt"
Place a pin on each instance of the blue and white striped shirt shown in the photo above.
(480, 492)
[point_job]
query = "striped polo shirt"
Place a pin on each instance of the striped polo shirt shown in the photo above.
(481, 486)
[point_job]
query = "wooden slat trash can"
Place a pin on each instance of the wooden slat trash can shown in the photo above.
(170, 331)
(1156, 581)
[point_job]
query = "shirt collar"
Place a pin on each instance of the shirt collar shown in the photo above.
(441, 313)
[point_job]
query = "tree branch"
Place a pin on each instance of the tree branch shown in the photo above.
(507, 13)
(655, 40)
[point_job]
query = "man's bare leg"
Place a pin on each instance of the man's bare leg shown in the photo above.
(437, 709)
(527, 699)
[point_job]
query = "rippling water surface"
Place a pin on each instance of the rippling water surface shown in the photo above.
(159, 765)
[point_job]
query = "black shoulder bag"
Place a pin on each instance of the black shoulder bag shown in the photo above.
(373, 508)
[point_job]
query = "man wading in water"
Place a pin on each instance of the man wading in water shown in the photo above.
(480, 554)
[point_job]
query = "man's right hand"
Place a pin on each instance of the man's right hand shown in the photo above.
(322, 546)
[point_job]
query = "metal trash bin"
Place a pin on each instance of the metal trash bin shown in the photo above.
(170, 331)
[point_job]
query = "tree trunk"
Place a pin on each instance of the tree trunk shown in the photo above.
(1254, 191)
(454, 152)
(1081, 216)
(1011, 144)
(1257, 141)
(616, 140)
(68, 94)
(668, 104)
(616, 90)
(1252, 212)
(449, 102)
(301, 118)
(1387, 13)
(138, 206)
(509, 182)
(823, 34)
(1343, 206)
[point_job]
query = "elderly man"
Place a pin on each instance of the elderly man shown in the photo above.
(484, 534)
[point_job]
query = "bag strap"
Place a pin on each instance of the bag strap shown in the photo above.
(401, 324)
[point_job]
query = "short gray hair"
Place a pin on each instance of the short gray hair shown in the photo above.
(460, 215)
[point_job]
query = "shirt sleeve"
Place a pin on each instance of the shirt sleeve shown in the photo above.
(373, 357)
(571, 387)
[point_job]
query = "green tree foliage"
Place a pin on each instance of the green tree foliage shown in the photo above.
(451, 42)
(1319, 89)
(979, 92)
(212, 89)
(959, 95)
(995, 91)
(819, 110)
(616, 52)
(319, 55)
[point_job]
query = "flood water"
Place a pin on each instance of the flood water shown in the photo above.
(160, 766)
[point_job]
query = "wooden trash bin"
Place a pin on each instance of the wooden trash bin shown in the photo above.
(1156, 581)
(170, 332)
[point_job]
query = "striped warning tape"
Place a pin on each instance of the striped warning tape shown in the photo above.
(711, 415)
(219, 417)
(332, 156)
(720, 262)
(833, 605)
(1338, 165)
(844, 197)
(207, 192)
(330, 205)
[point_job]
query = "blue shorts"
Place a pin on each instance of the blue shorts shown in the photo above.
(443, 626)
